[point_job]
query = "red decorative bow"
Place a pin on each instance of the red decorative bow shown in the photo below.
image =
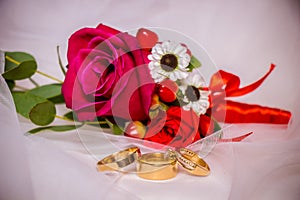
(224, 85)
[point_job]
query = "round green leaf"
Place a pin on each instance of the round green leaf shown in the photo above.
(24, 70)
(13, 59)
(38, 109)
(17, 56)
(25, 101)
(43, 113)
(19, 65)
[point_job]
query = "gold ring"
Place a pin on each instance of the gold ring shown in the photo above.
(119, 160)
(191, 162)
(157, 166)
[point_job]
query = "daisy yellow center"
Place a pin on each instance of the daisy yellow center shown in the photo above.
(168, 62)
(192, 93)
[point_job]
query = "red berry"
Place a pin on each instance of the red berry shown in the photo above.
(172, 85)
(146, 38)
(167, 90)
(166, 95)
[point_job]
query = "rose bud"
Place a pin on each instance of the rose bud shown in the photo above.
(135, 129)
(155, 102)
(167, 90)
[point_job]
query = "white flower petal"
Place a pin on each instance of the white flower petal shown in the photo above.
(159, 50)
(150, 57)
(156, 56)
(177, 74)
(173, 76)
(196, 107)
(184, 63)
(180, 50)
(151, 66)
(195, 81)
(156, 64)
(169, 47)
(165, 46)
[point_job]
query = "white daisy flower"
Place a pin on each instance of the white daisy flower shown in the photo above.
(194, 96)
(168, 60)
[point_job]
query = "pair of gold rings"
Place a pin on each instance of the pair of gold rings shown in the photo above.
(155, 166)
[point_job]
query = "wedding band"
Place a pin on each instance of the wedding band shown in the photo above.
(119, 160)
(192, 162)
(157, 166)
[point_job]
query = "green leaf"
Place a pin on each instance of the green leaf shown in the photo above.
(11, 84)
(115, 128)
(24, 70)
(70, 115)
(217, 127)
(52, 92)
(33, 82)
(19, 65)
(43, 113)
(38, 109)
(59, 128)
(25, 102)
(194, 63)
(58, 99)
(47, 91)
(15, 58)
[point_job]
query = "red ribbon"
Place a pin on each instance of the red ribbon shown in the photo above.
(224, 85)
(235, 139)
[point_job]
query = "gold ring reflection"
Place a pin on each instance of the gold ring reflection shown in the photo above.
(119, 160)
(156, 166)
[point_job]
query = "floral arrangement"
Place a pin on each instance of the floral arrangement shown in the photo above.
(137, 85)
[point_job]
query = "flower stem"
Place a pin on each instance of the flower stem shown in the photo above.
(60, 62)
(34, 82)
(95, 123)
(48, 76)
(88, 123)
(22, 88)
(63, 118)
(12, 60)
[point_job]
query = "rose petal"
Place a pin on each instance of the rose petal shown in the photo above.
(107, 29)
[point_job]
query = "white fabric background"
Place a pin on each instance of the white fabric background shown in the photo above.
(242, 37)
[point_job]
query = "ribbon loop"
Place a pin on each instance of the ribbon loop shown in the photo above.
(230, 83)
(224, 85)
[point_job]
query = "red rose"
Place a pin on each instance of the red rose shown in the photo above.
(107, 75)
(176, 127)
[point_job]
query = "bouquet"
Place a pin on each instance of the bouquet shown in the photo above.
(138, 85)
